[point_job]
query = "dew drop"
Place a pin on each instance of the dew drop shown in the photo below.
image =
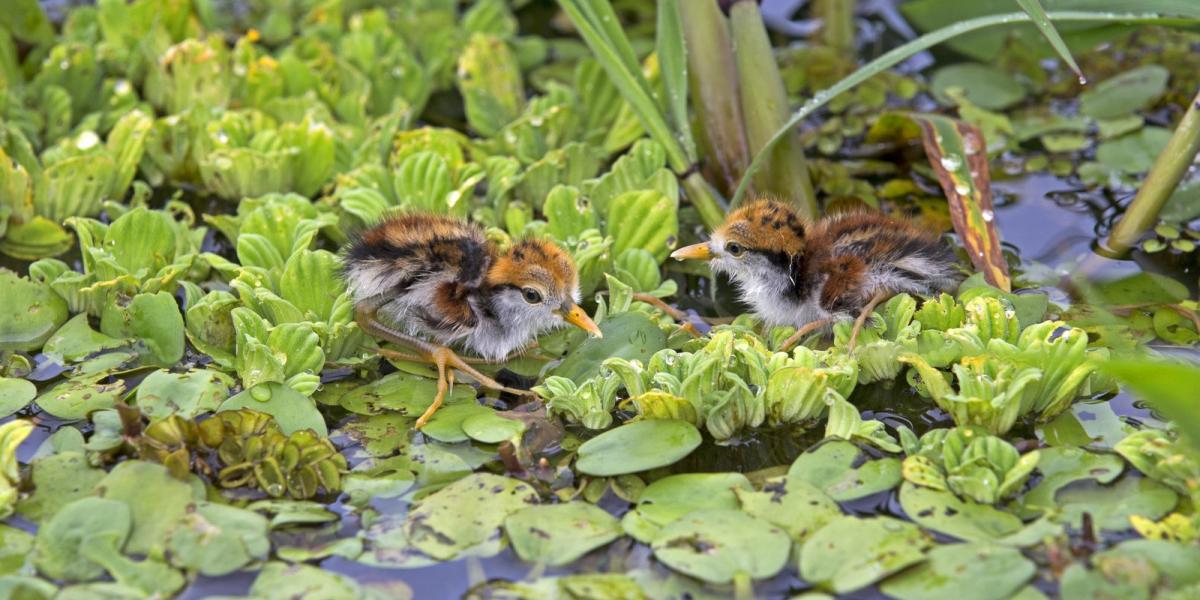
(536, 121)
(988, 215)
(87, 140)
(951, 163)
(261, 393)
(962, 189)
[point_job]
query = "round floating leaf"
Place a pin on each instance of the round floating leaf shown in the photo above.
(29, 314)
(401, 394)
(15, 394)
(944, 512)
(491, 427)
(674, 496)
(447, 423)
(1134, 152)
(1140, 288)
(292, 410)
(977, 571)
(156, 501)
(15, 547)
(1111, 506)
(73, 399)
(629, 335)
(557, 534)
(57, 553)
(58, 480)
(379, 435)
(717, 545)
(1124, 93)
(851, 553)
(984, 85)
(165, 393)
(637, 447)
(794, 505)
(466, 516)
(280, 580)
(215, 539)
(76, 340)
(1061, 466)
(831, 468)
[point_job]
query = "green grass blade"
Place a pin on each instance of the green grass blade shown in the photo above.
(902, 53)
(1034, 9)
(627, 78)
(672, 63)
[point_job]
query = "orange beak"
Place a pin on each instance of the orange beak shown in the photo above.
(699, 251)
(574, 315)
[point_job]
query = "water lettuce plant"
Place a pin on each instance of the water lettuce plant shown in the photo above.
(185, 394)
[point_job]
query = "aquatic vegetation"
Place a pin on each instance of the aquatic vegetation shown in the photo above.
(188, 400)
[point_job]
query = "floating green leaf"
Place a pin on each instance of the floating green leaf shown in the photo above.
(637, 447)
(558, 534)
(850, 553)
(979, 570)
(831, 469)
(719, 545)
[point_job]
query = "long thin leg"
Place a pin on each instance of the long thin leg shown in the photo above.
(366, 320)
(444, 382)
(879, 296)
(800, 333)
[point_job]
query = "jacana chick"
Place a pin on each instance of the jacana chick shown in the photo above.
(808, 275)
(430, 283)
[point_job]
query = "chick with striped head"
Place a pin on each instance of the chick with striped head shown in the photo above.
(808, 275)
(433, 283)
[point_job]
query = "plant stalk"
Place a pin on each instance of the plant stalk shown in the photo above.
(766, 109)
(712, 74)
(705, 199)
(837, 25)
(1168, 170)
(905, 51)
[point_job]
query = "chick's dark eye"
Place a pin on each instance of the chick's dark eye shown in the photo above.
(734, 248)
(531, 295)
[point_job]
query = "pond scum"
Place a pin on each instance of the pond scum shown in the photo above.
(191, 409)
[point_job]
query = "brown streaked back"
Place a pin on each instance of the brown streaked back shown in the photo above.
(415, 246)
(766, 226)
(540, 263)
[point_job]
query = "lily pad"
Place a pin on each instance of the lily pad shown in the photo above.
(156, 501)
(165, 393)
(57, 553)
(58, 480)
(831, 468)
(851, 553)
(1134, 152)
(292, 410)
(447, 423)
(379, 435)
(945, 513)
(628, 335)
(978, 571)
(1140, 288)
(76, 340)
(1061, 466)
(984, 85)
(794, 505)
(400, 393)
(15, 548)
(1124, 93)
(1111, 506)
(557, 534)
(466, 516)
(717, 545)
(215, 539)
(30, 313)
(303, 582)
(638, 446)
(72, 400)
(15, 394)
(674, 496)
(491, 427)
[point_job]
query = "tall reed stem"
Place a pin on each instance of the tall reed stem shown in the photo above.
(765, 110)
(712, 76)
(1163, 178)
